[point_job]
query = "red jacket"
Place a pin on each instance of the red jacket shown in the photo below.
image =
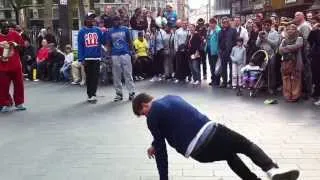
(14, 60)
(42, 54)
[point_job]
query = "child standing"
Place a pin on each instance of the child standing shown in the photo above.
(141, 48)
(238, 57)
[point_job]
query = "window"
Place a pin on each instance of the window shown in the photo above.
(75, 13)
(109, 1)
(7, 14)
(41, 13)
(55, 13)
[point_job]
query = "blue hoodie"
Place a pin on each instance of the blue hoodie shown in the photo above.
(89, 43)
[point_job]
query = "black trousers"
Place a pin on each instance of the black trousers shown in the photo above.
(315, 64)
(203, 62)
(225, 144)
(182, 66)
(215, 80)
(157, 63)
(225, 61)
(92, 69)
(140, 66)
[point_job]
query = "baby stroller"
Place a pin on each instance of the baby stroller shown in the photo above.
(255, 74)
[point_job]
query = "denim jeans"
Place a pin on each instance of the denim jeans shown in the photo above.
(195, 69)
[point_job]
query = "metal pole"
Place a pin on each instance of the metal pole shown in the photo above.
(209, 9)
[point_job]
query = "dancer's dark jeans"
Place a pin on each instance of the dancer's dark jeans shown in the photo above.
(92, 69)
(225, 144)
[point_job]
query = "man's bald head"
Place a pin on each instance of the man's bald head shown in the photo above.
(299, 17)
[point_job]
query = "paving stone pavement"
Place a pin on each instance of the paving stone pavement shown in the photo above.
(61, 137)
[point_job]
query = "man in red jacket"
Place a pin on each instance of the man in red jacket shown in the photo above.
(10, 69)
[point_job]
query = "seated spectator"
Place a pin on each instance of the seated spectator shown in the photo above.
(29, 59)
(56, 60)
(78, 73)
(66, 68)
(140, 64)
(42, 60)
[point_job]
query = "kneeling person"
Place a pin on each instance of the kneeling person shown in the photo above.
(192, 134)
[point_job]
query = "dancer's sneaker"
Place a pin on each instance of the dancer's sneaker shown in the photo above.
(21, 107)
(6, 109)
(281, 174)
(118, 97)
(317, 103)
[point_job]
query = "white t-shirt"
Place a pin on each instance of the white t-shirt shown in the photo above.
(69, 58)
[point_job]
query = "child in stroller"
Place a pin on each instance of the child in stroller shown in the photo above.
(252, 72)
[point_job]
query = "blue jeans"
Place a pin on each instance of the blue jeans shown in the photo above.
(66, 71)
(195, 69)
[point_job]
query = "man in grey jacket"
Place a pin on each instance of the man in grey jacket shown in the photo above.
(269, 41)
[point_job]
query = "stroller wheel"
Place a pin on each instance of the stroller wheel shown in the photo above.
(252, 94)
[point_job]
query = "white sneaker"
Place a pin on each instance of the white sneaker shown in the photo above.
(82, 83)
(74, 83)
(281, 174)
(195, 82)
(154, 79)
(317, 103)
(36, 80)
(176, 81)
(6, 109)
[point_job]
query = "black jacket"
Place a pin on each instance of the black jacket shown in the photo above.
(194, 43)
(227, 39)
(29, 52)
(56, 57)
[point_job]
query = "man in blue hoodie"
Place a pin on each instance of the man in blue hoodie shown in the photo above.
(118, 42)
(89, 53)
(192, 134)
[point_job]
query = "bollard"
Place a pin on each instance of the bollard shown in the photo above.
(34, 74)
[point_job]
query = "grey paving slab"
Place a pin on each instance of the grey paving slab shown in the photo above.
(61, 137)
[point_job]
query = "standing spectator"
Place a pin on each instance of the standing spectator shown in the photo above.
(29, 59)
(42, 61)
(169, 53)
(194, 54)
(50, 37)
(150, 20)
(241, 31)
(171, 16)
(56, 59)
(180, 43)
(158, 60)
(212, 49)
(89, 52)
(66, 68)
(201, 28)
(119, 44)
(138, 23)
(305, 28)
(10, 69)
(107, 17)
(238, 58)
(227, 39)
(309, 17)
(269, 40)
(102, 27)
(253, 36)
(141, 47)
(259, 18)
(124, 18)
(314, 41)
(292, 64)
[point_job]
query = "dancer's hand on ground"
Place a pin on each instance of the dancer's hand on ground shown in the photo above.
(151, 152)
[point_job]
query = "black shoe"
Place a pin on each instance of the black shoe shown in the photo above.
(223, 86)
(118, 97)
(131, 96)
(210, 84)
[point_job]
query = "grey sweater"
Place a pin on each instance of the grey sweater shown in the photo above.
(238, 55)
